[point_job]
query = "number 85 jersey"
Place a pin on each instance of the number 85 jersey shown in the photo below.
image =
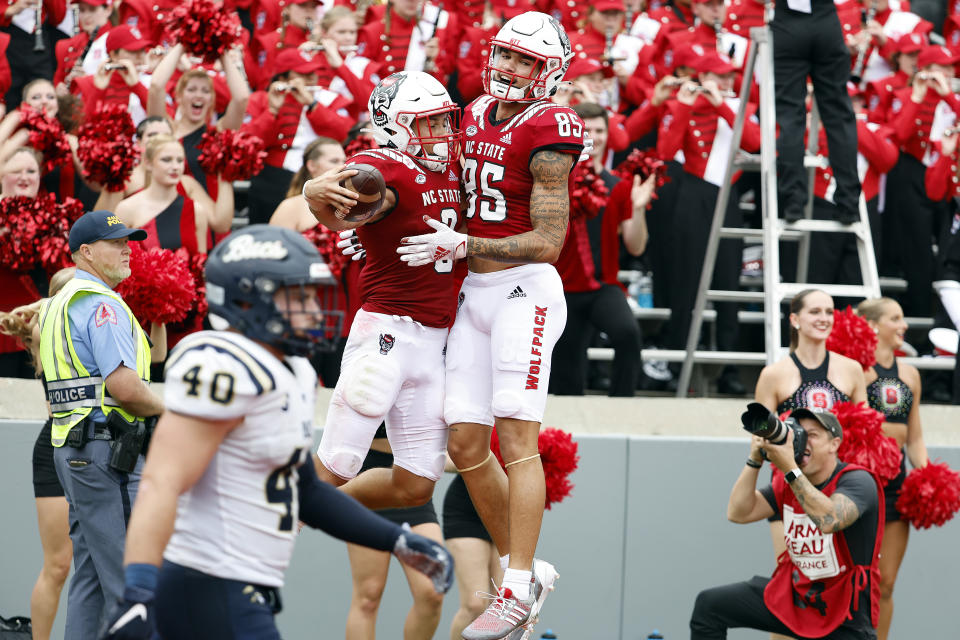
(497, 154)
(239, 520)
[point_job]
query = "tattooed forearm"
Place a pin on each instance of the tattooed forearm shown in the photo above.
(549, 212)
(830, 514)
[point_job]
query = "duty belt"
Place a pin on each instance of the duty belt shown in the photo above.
(76, 393)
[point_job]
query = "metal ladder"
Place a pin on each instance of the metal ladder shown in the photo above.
(774, 292)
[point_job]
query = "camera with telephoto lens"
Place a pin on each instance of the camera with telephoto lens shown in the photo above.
(760, 421)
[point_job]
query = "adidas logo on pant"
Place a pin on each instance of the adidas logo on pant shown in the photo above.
(516, 293)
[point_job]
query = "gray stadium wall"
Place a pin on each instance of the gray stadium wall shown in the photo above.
(643, 532)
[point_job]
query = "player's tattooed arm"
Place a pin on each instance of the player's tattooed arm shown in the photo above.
(830, 514)
(549, 214)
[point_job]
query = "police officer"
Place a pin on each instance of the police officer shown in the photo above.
(808, 41)
(96, 360)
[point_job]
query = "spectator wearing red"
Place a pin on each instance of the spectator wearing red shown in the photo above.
(82, 54)
(951, 33)
(942, 178)
(699, 123)
(472, 54)
(297, 21)
(147, 16)
(592, 82)
(710, 14)
(654, 24)
(880, 36)
(343, 71)
(194, 104)
(833, 256)
(288, 117)
(6, 79)
(879, 93)
(919, 115)
(743, 15)
(410, 38)
(595, 38)
(592, 304)
(18, 19)
(19, 177)
(117, 79)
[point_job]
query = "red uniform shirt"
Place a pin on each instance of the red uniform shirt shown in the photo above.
(427, 294)
(6, 78)
(69, 51)
(391, 49)
(496, 171)
(877, 153)
(919, 124)
(941, 178)
(117, 91)
(704, 133)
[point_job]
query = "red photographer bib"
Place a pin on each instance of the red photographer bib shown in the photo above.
(816, 583)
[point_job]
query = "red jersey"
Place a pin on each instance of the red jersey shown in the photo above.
(427, 294)
(496, 169)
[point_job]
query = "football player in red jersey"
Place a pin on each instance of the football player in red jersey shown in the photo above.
(519, 149)
(392, 365)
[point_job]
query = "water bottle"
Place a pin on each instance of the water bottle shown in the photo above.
(548, 635)
(644, 290)
(655, 635)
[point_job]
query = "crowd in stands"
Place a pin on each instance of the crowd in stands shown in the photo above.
(665, 74)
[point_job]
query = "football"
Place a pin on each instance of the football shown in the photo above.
(369, 185)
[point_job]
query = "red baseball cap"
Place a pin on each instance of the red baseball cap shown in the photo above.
(123, 36)
(608, 5)
(583, 66)
(935, 54)
(688, 55)
(296, 60)
(714, 62)
(96, 3)
(910, 42)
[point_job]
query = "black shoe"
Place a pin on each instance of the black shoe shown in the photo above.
(847, 216)
(792, 214)
(730, 385)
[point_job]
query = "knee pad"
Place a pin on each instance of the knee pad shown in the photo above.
(343, 464)
(506, 403)
(371, 386)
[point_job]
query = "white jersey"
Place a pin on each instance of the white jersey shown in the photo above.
(239, 521)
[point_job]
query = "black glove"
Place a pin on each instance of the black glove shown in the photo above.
(132, 618)
(426, 556)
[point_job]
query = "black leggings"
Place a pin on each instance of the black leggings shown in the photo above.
(740, 605)
(605, 309)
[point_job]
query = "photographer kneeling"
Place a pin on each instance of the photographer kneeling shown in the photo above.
(826, 585)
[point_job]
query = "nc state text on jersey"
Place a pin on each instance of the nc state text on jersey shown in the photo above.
(487, 149)
(442, 196)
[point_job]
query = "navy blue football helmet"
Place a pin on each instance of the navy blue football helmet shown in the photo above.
(246, 269)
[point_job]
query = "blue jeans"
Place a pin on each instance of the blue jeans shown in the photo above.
(100, 501)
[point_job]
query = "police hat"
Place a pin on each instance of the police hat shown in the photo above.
(101, 225)
(824, 417)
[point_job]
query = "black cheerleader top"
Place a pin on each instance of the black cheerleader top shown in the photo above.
(890, 395)
(815, 391)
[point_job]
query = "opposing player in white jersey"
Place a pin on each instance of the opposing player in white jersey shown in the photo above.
(229, 471)
(519, 149)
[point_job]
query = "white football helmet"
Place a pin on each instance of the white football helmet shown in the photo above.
(401, 107)
(534, 35)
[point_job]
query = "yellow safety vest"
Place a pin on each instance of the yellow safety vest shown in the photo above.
(73, 393)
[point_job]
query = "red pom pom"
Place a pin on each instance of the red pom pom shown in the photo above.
(204, 29)
(326, 243)
(36, 232)
(588, 192)
(106, 147)
(558, 454)
(196, 262)
(864, 442)
(644, 164)
(233, 155)
(46, 136)
(930, 496)
(851, 336)
(358, 144)
(160, 287)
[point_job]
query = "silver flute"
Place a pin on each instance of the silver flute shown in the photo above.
(316, 46)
